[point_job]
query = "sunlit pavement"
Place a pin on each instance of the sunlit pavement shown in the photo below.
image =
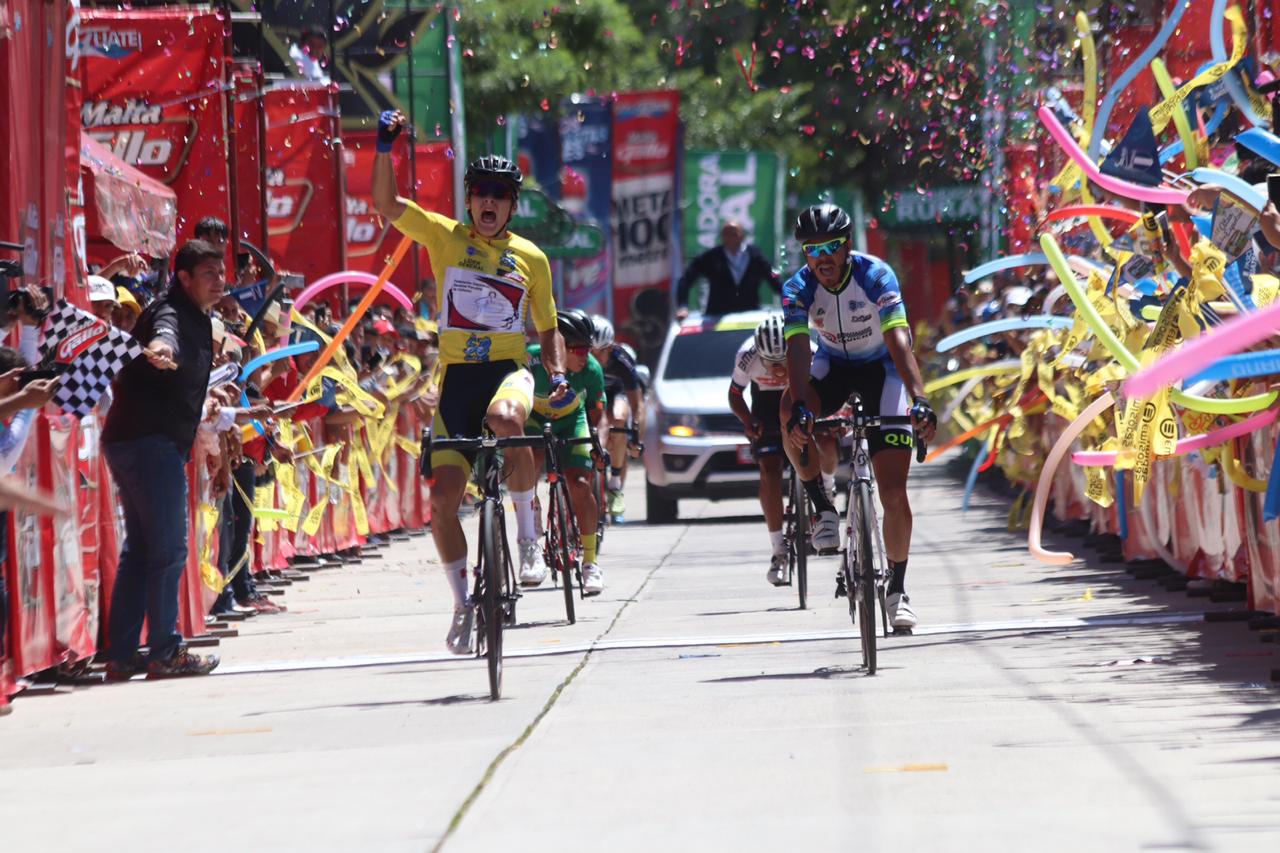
(692, 707)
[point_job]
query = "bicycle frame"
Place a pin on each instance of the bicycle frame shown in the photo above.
(562, 500)
(495, 607)
(866, 580)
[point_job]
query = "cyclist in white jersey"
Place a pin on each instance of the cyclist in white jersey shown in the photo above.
(864, 344)
(761, 363)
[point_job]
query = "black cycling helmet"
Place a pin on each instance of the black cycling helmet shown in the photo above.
(575, 327)
(822, 220)
(493, 167)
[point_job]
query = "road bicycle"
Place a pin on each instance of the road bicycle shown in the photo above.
(562, 541)
(495, 591)
(864, 570)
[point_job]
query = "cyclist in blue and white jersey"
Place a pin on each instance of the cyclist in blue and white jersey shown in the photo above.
(864, 344)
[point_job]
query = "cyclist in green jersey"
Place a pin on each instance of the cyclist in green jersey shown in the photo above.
(572, 417)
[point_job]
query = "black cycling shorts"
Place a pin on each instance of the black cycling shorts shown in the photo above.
(766, 407)
(613, 387)
(466, 390)
(881, 389)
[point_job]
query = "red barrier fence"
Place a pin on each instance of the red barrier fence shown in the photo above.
(60, 573)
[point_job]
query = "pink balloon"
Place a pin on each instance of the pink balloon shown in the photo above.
(1235, 335)
(1095, 458)
(350, 277)
(1155, 195)
(1060, 448)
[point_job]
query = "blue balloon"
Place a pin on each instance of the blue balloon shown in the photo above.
(1239, 366)
(277, 354)
(1131, 73)
(1236, 186)
(266, 358)
(1045, 321)
(1261, 142)
(1218, 44)
(1030, 259)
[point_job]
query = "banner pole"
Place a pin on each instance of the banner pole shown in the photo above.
(402, 248)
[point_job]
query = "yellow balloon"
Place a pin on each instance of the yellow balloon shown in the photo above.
(1127, 360)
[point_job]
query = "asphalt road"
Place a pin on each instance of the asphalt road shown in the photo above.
(692, 707)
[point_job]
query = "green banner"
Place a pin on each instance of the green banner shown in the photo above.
(935, 206)
(743, 186)
(546, 223)
(421, 81)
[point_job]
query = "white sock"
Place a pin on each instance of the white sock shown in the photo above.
(526, 521)
(829, 482)
(775, 538)
(456, 573)
(615, 483)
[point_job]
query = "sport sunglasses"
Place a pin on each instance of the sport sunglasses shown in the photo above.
(817, 250)
(491, 189)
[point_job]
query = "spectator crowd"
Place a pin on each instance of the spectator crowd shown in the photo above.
(188, 398)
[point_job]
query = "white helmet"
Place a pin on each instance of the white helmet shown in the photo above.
(603, 336)
(770, 341)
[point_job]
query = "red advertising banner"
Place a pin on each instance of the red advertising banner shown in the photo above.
(250, 154)
(304, 179)
(645, 133)
(32, 610)
(77, 287)
(370, 238)
(33, 138)
(75, 634)
(153, 83)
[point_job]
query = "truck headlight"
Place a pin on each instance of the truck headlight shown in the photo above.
(681, 425)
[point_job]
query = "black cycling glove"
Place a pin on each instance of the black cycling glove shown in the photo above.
(387, 131)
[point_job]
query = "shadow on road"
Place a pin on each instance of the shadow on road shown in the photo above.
(819, 673)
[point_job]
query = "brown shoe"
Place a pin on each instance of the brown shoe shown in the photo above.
(117, 671)
(183, 663)
(263, 604)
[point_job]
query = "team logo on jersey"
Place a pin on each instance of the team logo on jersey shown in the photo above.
(819, 314)
(477, 348)
(856, 304)
(472, 250)
(888, 300)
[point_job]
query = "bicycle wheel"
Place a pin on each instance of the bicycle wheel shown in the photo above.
(800, 542)
(864, 512)
(563, 559)
(602, 506)
(491, 604)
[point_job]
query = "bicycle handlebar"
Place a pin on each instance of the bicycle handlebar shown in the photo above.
(630, 432)
(870, 421)
(430, 444)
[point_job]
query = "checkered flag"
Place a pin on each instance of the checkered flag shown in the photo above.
(91, 352)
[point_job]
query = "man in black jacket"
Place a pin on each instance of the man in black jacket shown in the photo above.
(734, 272)
(147, 441)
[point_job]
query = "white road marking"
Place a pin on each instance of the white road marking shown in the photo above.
(1063, 623)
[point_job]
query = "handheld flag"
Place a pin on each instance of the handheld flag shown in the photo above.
(92, 352)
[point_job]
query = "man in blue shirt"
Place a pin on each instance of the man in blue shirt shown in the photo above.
(864, 344)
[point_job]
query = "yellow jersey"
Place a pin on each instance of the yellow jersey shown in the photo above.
(485, 289)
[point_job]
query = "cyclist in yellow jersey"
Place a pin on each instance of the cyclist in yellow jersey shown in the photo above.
(488, 281)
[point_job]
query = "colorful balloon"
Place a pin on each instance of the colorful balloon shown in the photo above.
(995, 327)
(1095, 458)
(349, 277)
(1045, 484)
(1154, 195)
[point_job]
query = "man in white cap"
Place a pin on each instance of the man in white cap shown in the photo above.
(102, 297)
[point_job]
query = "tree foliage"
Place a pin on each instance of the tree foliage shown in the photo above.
(851, 93)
